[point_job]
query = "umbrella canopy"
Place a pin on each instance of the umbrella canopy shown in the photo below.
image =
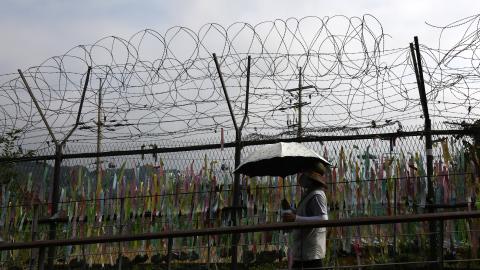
(280, 159)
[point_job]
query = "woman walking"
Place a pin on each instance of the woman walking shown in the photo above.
(309, 245)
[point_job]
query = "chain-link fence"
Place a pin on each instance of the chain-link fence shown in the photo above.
(180, 189)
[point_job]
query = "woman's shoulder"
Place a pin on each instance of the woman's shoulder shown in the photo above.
(315, 195)
(317, 191)
(319, 196)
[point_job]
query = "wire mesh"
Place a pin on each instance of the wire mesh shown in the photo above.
(193, 189)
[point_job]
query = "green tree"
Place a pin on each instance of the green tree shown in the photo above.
(10, 150)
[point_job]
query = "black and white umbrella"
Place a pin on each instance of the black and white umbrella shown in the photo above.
(280, 159)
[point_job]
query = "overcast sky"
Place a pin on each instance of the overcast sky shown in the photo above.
(32, 31)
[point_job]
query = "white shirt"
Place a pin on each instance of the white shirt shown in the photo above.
(310, 244)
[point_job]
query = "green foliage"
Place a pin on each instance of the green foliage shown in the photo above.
(9, 150)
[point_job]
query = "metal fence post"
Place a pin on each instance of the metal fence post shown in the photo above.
(417, 63)
(41, 258)
(238, 152)
(58, 162)
(120, 231)
(394, 213)
(169, 253)
(392, 143)
(236, 201)
(55, 198)
(440, 246)
(34, 229)
(84, 257)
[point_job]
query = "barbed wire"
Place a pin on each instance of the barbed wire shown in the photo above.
(166, 86)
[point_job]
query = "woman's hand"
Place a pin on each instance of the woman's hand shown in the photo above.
(289, 217)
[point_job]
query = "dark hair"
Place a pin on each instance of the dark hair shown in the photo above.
(321, 185)
(316, 180)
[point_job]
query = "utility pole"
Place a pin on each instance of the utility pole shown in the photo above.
(300, 104)
(99, 130)
(299, 129)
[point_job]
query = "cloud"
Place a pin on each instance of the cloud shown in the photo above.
(32, 32)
